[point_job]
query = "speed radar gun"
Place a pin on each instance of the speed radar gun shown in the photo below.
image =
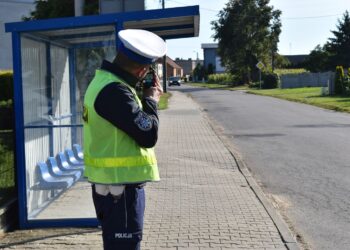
(150, 79)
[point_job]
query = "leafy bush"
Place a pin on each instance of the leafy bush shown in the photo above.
(347, 82)
(224, 78)
(7, 169)
(270, 81)
(289, 71)
(6, 85)
(339, 87)
(6, 115)
(199, 72)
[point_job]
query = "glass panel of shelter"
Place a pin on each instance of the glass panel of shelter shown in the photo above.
(56, 70)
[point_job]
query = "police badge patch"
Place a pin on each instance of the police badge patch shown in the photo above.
(143, 122)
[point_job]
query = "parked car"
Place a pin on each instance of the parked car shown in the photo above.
(174, 80)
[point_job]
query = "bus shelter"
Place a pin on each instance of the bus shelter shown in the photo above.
(53, 62)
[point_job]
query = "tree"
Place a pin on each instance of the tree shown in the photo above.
(45, 9)
(339, 46)
(339, 87)
(335, 52)
(199, 72)
(210, 69)
(280, 61)
(247, 32)
(318, 60)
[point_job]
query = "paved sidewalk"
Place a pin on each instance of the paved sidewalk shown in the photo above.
(202, 202)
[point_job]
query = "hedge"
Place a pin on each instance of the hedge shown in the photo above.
(223, 78)
(6, 105)
(6, 115)
(6, 85)
(270, 81)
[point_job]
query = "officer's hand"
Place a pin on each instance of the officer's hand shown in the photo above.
(154, 92)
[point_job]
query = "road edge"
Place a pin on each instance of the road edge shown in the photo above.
(286, 235)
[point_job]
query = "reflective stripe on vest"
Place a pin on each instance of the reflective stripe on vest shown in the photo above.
(134, 161)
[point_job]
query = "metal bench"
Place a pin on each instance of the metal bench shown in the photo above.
(78, 152)
(56, 171)
(72, 160)
(64, 165)
(48, 182)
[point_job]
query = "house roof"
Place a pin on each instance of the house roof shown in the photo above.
(296, 59)
(170, 62)
(210, 46)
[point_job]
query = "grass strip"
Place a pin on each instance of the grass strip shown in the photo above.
(164, 100)
(311, 95)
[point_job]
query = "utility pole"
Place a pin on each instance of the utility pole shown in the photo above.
(79, 7)
(164, 60)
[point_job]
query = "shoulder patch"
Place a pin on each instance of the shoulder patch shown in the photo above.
(143, 122)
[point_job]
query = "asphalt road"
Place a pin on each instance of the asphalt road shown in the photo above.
(299, 154)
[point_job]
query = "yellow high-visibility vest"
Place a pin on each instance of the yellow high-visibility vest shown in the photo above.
(110, 155)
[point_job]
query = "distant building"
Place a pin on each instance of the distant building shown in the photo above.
(211, 57)
(113, 6)
(188, 65)
(296, 60)
(11, 11)
(172, 68)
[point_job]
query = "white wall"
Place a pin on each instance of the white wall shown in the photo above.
(11, 11)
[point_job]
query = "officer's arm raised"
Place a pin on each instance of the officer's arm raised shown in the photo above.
(124, 113)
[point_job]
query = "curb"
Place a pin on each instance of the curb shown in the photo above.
(286, 235)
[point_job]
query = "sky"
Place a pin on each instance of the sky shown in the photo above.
(305, 24)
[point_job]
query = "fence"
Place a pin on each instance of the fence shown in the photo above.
(306, 80)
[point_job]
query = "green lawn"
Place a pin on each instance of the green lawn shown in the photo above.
(163, 102)
(7, 173)
(310, 96)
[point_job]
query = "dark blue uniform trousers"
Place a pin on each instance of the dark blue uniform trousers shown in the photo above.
(121, 217)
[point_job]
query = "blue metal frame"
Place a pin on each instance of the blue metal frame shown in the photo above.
(26, 28)
(119, 26)
(49, 92)
(19, 125)
(72, 92)
(71, 222)
(56, 126)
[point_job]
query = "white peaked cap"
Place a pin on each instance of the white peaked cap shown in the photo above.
(142, 46)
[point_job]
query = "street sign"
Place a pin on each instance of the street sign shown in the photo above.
(260, 65)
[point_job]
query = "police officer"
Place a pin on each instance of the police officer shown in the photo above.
(120, 131)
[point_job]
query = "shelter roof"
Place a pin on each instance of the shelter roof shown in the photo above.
(169, 23)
